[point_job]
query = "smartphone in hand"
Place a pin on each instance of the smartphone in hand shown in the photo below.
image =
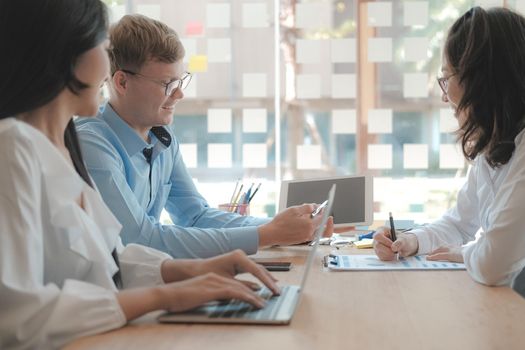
(318, 209)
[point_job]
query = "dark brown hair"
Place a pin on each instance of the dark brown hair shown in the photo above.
(41, 42)
(486, 50)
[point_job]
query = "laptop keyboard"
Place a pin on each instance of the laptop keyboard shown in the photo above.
(240, 309)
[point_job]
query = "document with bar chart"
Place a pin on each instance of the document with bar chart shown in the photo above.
(372, 262)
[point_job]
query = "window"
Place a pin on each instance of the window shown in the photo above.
(300, 89)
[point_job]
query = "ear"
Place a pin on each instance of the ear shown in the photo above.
(120, 82)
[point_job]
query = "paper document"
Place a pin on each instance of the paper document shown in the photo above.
(372, 262)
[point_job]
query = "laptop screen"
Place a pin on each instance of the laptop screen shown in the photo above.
(318, 233)
(352, 203)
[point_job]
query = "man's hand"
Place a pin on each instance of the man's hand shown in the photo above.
(293, 225)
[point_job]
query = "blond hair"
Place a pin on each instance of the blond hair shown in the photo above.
(136, 39)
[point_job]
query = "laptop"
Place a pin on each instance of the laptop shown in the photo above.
(279, 309)
(353, 202)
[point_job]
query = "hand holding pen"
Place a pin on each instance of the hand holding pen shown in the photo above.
(389, 246)
(392, 228)
(393, 236)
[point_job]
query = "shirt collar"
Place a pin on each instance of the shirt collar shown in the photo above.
(129, 138)
(162, 135)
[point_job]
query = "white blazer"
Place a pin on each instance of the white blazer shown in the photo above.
(56, 266)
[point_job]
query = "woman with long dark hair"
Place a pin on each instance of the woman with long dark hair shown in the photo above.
(484, 82)
(63, 271)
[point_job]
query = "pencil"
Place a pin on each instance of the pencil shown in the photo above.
(236, 198)
(234, 191)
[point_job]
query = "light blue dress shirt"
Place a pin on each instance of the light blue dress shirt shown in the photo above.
(113, 154)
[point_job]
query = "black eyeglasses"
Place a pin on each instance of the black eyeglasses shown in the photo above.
(443, 83)
(170, 87)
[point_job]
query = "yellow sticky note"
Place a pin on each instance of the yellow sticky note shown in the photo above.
(198, 63)
(364, 243)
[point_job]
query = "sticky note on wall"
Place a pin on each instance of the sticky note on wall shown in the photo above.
(379, 14)
(254, 155)
(194, 28)
(308, 51)
(415, 85)
(380, 121)
(218, 15)
(312, 15)
(415, 156)
(219, 155)
(254, 85)
(308, 157)
(380, 156)
(415, 49)
(198, 64)
(380, 49)
(415, 13)
(308, 86)
(254, 120)
(219, 120)
(254, 15)
(344, 121)
(343, 85)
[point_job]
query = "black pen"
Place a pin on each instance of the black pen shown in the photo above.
(393, 231)
(392, 228)
(254, 192)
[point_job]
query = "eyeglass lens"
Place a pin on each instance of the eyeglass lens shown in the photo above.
(443, 84)
(179, 83)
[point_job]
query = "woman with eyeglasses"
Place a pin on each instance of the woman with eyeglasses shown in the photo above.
(484, 83)
(63, 271)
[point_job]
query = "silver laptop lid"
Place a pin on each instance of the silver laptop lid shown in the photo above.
(318, 233)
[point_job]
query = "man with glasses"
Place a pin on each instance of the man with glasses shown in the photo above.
(136, 164)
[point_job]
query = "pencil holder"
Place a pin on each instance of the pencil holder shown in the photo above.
(241, 209)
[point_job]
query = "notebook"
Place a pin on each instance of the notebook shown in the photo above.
(278, 310)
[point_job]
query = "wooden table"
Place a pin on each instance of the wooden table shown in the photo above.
(353, 310)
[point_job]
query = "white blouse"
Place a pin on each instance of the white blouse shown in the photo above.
(56, 266)
(492, 200)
